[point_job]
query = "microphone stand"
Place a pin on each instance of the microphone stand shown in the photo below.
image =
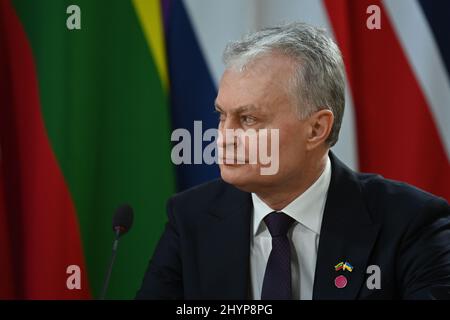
(111, 262)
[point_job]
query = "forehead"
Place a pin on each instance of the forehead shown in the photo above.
(262, 83)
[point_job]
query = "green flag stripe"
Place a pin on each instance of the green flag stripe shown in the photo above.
(107, 118)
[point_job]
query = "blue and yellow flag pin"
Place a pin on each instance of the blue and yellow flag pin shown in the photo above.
(343, 266)
(347, 266)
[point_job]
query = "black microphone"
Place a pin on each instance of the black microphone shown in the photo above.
(122, 222)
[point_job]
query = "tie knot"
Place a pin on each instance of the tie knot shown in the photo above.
(278, 223)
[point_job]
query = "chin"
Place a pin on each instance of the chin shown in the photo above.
(239, 176)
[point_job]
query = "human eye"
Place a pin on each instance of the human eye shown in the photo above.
(248, 120)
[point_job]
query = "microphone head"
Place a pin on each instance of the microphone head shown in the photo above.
(123, 219)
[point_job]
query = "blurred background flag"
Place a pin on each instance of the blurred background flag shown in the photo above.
(397, 118)
(84, 127)
(86, 117)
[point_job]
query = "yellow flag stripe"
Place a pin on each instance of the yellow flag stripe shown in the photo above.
(149, 14)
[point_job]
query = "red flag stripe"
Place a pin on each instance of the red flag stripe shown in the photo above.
(7, 276)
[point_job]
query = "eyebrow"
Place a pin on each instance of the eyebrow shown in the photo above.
(240, 109)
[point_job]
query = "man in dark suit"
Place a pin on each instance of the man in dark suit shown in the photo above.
(313, 229)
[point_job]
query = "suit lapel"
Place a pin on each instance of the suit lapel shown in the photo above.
(347, 235)
(229, 236)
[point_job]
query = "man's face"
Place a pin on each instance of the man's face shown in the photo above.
(258, 98)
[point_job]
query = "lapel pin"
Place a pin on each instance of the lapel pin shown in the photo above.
(339, 266)
(343, 266)
(347, 266)
(340, 282)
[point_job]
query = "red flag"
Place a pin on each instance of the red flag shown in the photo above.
(397, 136)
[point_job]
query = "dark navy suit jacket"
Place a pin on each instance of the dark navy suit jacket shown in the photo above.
(368, 220)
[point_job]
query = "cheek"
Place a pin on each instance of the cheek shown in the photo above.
(292, 147)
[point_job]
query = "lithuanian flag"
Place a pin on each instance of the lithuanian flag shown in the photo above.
(84, 127)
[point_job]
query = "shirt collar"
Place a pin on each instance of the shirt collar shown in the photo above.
(306, 209)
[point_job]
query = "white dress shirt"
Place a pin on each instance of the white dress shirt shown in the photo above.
(307, 211)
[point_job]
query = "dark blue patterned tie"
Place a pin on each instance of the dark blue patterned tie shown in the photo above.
(277, 278)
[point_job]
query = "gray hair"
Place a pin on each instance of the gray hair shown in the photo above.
(318, 81)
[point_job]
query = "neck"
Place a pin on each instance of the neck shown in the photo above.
(295, 187)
